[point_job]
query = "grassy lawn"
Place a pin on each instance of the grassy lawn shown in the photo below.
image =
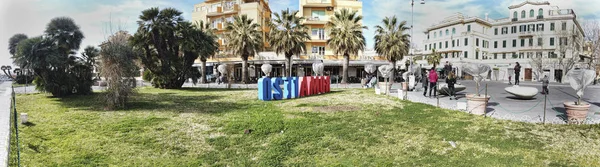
(354, 127)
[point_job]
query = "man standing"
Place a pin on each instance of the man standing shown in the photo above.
(517, 73)
(447, 69)
(545, 83)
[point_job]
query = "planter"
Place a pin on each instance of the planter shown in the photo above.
(477, 104)
(576, 113)
(385, 88)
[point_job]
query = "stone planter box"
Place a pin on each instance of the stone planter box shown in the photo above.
(576, 113)
(477, 104)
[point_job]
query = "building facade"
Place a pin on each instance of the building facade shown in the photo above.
(534, 33)
(316, 13)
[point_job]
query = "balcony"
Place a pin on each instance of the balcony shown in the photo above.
(318, 3)
(219, 26)
(266, 29)
(515, 19)
(224, 10)
(540, 17)
(315, 20)
(315, 38)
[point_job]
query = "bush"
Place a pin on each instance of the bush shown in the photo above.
(147, 76)
(119, 69)
(24, 79)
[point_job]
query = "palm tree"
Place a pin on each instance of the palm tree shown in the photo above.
(391, 40)
(346, 36)
(434, 58)
(244, 39)
(209, 49)
(288, 35)
(13, 43)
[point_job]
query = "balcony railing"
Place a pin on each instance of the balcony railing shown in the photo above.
(515, 19)
(318, 1)
(314, 19)
(540, 17)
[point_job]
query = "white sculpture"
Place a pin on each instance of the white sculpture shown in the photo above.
(266, 68)
(386, 71)
(579, 80)
(318, 68)
(222, 68)
(478, 71)
(522, 92)
(370, 68)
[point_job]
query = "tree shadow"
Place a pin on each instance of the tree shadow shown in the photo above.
(520, 98)
(562, 113)
(155, 102)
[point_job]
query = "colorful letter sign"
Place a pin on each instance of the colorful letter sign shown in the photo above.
(292, 87)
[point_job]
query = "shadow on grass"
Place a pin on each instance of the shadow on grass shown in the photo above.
(156, 102)
(562, 113)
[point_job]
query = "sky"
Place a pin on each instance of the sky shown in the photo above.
(100, 18)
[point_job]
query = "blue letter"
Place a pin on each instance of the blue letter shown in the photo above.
(264, 89)
(287, 87)
(295, 87)
(275, 82)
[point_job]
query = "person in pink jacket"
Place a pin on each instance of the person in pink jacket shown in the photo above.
(433, 78)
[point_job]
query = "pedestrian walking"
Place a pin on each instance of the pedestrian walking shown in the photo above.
(433, 78)
(451, 81)
(509, 79)
(425, 82)
(517, 73)
(545, 83)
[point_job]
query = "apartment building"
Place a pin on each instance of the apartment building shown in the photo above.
(531, 30)
(218, 13)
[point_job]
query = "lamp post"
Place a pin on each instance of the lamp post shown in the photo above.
(412, 13)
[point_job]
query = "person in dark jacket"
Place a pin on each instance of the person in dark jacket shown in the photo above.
(451, 81)
(517, 73)
(425, 82)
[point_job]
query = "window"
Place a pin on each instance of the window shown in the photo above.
(504, 44)
(426, 47)
(429, 46)
(504, 30)
(440, 33)
(530, 41)
(447, 32)
(469, 28)
(503, 55)
(435, 34)
(434, 47)
(529, 55)
(446, 55)
(476, 55)
(541, 12)
(457, 42)
(427, 36)
(522, 42)
(513, 29)
(320, 50)
(564, 26)
(452, 43)
(531, 13)
(552, 55)
(466, 54)
(466, 41)
(551, 26)
(562, 54)
(446, 44)
(440, 45)
(540, 41)
(318, 33)
(551, 41)
(495, 55)
(495, 44)
(318, 14)
(515, 14)
(522, 14)
(514, 43)
(476, 41)
(453, 31)
(521, 55)
(496, 31)
(538, 55)
(563, 41)
(540, 27)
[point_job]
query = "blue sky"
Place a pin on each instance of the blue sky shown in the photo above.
(98, 18)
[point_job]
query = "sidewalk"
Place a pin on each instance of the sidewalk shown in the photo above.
(5, 95)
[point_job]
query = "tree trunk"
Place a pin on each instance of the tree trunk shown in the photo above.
(345, 68)
(393, 75)
(203, 72)
(245, 69)
(288, 65)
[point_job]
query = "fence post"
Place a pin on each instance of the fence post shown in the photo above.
(545, 100)
(486, 100)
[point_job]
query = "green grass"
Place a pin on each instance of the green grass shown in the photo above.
(199, 127)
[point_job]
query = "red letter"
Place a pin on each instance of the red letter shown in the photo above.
(303, 87)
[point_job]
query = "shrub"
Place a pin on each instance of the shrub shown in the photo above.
(119, 69)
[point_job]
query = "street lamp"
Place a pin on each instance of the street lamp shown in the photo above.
(412, 9)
